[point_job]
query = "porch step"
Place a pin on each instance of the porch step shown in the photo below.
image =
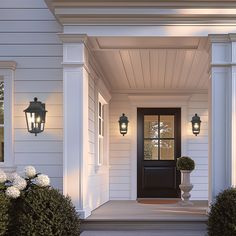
(138, 227)
(128, 218)
(144, 233)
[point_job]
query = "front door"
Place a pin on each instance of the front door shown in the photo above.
(159, 145)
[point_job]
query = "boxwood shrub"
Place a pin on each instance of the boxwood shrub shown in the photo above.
(4, 213)
(185, 163)
(45, 211)
(222, 216)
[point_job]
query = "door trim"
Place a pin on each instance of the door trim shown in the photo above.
(152, 102)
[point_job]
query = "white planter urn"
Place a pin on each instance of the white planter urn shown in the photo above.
(185, 187)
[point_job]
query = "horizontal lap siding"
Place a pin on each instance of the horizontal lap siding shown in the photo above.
(28, 36)
(197, 147)
(120, 152)
(98, 180)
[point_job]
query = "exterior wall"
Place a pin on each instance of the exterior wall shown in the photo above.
(122, 148)
(197, 147)
(98, 185)
(97, 176)
(28, 37)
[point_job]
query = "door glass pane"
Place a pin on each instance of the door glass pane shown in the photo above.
(167, 126)
(167, 148)
(1, 144)
(150, 126)
(150, 149)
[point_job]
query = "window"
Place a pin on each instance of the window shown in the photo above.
(101, 129)
(1, 121)
(7, 69)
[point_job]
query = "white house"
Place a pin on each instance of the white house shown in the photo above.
(89, 61)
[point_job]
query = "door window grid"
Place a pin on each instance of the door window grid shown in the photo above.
(159, 137)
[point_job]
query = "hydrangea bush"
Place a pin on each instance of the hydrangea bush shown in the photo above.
(29, 206)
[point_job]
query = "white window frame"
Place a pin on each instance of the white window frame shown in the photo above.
(101, 136)
(7, 69)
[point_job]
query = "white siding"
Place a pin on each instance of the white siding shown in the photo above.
(120, 151)
(197, 147)
(121, 148)
(28, 36)
(97, 176)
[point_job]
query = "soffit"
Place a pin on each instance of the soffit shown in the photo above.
(151, 64)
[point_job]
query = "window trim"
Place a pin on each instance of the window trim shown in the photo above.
(7, 73)
(100, 161)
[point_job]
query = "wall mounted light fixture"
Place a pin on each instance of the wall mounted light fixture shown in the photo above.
(123, 122)
(35, 116)
(196, 124)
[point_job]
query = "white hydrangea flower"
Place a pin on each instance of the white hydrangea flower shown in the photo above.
(20, 183)
(12, 176)
(3, 177)
(42, 180)
(30, 171)
(12, 192)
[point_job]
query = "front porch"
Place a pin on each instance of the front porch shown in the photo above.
(130, 215)
(144, 61)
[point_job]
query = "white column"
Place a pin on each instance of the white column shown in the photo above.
(233, 111)
(222, 114)
(75, 92)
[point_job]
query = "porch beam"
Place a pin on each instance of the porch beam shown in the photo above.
(150, 30)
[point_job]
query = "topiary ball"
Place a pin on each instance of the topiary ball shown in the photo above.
(45, 211)
(185, 163)
(222, 217)
(4, 213)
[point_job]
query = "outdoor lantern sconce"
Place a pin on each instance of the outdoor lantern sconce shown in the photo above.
(35, 116)
(123, 122)
(196, 123)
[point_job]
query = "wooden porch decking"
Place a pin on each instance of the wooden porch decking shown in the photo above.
(132, 210)
(130, 215)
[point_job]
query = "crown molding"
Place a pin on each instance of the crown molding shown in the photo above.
(141, 3)
(162, 12)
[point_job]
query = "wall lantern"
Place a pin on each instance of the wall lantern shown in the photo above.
(196, 123)
(35, 116)
(123, 122)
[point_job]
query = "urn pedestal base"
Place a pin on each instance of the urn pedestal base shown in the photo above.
(185, 187)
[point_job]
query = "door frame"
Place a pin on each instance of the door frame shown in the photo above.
(174, 192)
(178, 101)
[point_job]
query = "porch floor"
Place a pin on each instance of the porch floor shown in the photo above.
(132, 210)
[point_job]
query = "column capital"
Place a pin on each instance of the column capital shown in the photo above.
(73, 38)
(222, 38)
(219, 38)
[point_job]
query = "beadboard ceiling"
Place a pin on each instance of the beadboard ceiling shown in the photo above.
(150, 63)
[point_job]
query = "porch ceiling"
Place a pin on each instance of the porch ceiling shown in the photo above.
(132, 64)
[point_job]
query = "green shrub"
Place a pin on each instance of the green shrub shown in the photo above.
(185, 163)
(45, 211)
(4, 213)
(222, 217)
